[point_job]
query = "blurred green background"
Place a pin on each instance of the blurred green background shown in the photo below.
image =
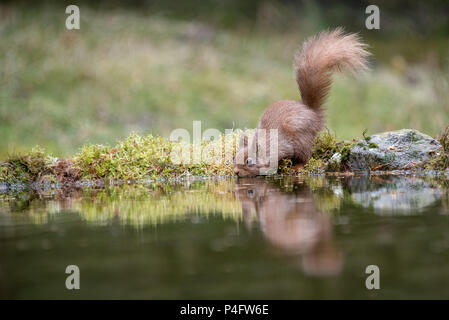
(154, 66)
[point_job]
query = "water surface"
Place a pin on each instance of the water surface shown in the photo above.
(277, 238)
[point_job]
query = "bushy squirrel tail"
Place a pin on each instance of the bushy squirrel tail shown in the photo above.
(320, 56)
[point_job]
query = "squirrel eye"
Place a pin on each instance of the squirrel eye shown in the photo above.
(249, 162)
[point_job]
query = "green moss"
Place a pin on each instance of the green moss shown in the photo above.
(440, 160)
(367, 138)
(333, 167)
(151, 156)
(325, 145)
(26, 167)
(3, 172)
(314, 166)
(444, 139)
(365, 144)
(135, 158)
(345, 153)
(413, 136)
(285, 166)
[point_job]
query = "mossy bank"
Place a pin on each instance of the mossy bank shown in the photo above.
(153, 157)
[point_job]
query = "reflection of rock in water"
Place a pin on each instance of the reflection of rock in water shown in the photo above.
(292, 222)
(394, 195)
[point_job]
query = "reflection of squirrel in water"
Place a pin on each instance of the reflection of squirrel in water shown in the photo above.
(298, 123)
(292, 222)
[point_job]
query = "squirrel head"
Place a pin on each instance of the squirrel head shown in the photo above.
(246, 162)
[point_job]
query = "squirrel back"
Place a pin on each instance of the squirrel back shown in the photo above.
(320, 56)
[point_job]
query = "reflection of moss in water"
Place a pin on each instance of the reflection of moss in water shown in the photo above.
(327, 195)
(327, 200)
(443, 184)
(152, 204)
(138, 205)
(135, 208)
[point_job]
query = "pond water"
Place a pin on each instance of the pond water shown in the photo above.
(277, 238)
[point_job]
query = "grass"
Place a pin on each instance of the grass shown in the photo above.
(126, 71)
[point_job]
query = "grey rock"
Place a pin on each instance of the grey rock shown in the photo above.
(393, 150)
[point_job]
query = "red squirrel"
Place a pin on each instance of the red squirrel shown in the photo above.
(297, 123)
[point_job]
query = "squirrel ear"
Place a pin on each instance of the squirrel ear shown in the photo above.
(243, 140)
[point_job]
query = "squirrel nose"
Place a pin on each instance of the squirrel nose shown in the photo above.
(236, 171)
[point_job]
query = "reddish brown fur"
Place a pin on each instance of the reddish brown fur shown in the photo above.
(299, 122)
(292, 222)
